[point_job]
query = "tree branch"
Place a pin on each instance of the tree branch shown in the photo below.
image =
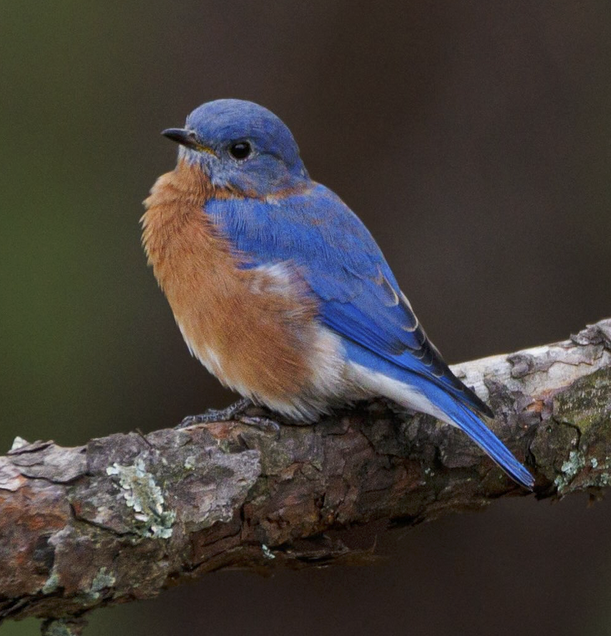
(125, 516)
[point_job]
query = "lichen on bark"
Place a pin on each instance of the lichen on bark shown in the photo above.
(123, 517)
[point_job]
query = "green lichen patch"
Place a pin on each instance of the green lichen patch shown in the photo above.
(190, 463)
(592, 472)
(63, 627)
(102, 580)
(586, 407)
(599, 473)
(267, 553)
(550, 446)
(570, 468)
(145, 497)
(586, 402)
(51, 584)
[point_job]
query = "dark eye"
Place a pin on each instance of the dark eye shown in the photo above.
(240, 150)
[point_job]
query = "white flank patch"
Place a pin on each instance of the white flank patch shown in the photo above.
(379, 384)
(328, 384)
(275, 279)
(327, 365)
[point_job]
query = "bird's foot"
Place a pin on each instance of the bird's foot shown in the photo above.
(237, 412)
(261, 422)
(217, 415)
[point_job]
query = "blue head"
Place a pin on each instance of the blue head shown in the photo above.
(241, 146)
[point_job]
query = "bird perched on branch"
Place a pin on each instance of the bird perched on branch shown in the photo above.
(281, 291)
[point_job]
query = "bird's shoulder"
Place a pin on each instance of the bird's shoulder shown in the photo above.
(314, 219)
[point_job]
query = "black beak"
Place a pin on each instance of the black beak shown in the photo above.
(183, 137)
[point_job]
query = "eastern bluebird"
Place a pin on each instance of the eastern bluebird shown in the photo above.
(281, 291)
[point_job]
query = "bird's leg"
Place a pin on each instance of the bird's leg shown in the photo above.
(235, 412)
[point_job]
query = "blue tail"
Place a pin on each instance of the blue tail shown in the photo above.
(475, 428)
(441, 399)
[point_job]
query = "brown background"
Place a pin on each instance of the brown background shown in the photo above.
(474, 140)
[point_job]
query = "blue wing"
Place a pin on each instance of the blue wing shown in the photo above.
(359, 298)
(344, 267)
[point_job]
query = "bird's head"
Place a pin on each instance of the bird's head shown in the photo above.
(241, 146)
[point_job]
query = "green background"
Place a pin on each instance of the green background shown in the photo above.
(474, 140)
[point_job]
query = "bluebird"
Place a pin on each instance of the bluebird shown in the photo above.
(281, 291)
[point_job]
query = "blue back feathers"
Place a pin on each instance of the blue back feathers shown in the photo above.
(341, 262)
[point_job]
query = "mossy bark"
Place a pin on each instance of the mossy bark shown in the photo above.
(124, 517)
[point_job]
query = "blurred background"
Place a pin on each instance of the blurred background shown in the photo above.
(473, 138)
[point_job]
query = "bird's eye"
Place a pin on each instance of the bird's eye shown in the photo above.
(240, 150)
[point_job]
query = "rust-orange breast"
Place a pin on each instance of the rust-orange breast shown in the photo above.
(249, 335)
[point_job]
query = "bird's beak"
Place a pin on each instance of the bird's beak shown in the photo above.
(186, 138)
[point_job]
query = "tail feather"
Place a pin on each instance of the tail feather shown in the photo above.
(415, 391)
(473, 424)
(475, 428)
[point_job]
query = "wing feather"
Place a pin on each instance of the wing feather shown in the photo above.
(344, 267)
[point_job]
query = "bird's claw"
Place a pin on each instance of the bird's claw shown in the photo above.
(261, 422)
(236, 412)
(232, 412)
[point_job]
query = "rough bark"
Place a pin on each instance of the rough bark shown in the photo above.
(123, 517)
